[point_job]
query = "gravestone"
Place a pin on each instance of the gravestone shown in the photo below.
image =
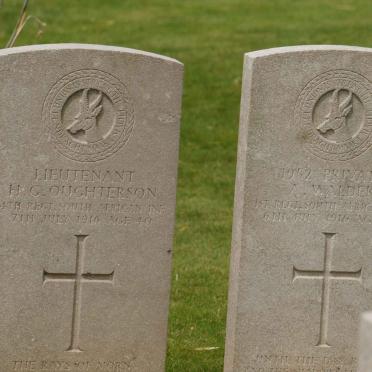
(365, 343)
(88, 159)
(301, 266)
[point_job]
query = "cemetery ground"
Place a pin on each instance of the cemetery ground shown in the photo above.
(210, 38)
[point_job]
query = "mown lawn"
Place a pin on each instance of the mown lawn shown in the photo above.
(210, 37)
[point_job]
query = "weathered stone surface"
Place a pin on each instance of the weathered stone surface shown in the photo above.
(365, 343)
(88, 159)
(301, 270)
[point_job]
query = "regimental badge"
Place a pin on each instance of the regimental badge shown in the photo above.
(89, 114)
(334, 111)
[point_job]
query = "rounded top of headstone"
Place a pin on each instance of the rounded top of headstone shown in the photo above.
(305, 48)
(92, 47)
(90, 96)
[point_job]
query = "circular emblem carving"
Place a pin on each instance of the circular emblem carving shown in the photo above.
(335, 111)
(89, 114)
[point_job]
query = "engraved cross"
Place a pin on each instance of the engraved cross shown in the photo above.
(326, 275)
(79, 277)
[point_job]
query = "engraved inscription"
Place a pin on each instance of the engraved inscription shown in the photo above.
(326, 275)
(265, 362)
(47, 365)
(316, 195)
(83, 196)
(79, 278)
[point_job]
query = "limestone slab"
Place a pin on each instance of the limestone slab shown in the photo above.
(365, 343)
(88, 159)
(301, 265)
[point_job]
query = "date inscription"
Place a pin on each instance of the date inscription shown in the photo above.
(82, 196)
(307, 195)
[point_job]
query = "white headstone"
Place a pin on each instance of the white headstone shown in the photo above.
(365, 343)
(301, 266)
(88, 159)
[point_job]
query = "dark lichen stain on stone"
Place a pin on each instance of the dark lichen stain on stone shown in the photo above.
(303, 136)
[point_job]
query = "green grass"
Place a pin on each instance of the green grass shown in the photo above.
(210, 37)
